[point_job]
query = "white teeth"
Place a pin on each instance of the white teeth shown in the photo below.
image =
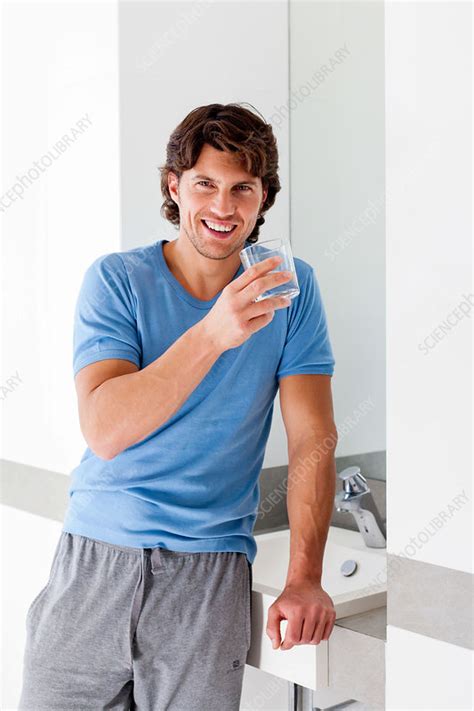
(218, 228)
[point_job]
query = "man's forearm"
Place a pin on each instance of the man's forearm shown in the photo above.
(310, 503)
(130, 407)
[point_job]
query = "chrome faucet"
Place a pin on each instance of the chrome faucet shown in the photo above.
(369, 521)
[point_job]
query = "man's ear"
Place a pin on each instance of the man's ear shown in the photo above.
(173, 184)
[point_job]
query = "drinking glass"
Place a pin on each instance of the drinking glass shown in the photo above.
(270, 248)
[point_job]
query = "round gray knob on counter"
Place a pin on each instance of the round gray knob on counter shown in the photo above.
(349, 567)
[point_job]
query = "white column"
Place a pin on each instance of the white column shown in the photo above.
(429, 302)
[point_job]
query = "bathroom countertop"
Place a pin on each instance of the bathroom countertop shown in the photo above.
(357, 657)
(372, 623)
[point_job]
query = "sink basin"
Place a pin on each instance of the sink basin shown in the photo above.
(363, 590)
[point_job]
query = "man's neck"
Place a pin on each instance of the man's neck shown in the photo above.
(203, 284)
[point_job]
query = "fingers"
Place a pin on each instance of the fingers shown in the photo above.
(312, 628)
(329, 626)
(309, 630)
(319, 630)
(258, 286)
(273, 626)
(293, 631)
(259, 308)
(256, 270)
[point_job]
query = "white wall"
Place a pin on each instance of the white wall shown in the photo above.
(337, 195)
(28, 544)
(429, 418)
(173, 58)
(428, 241)
(60, 66)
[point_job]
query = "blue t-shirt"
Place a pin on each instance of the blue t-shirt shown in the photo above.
(192, 484)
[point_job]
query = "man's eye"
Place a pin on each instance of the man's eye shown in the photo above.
(206, 183)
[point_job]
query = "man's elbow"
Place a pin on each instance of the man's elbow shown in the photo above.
(100, 446)
(106, 456)
(101, 452)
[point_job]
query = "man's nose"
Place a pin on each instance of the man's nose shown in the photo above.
(223, 206)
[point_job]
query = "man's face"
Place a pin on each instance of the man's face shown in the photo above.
(217, 191)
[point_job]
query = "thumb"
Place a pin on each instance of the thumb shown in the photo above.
(273, 626)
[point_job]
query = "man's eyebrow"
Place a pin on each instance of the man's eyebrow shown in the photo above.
(205, 177)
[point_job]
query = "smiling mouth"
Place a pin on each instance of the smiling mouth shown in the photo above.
(218, 233)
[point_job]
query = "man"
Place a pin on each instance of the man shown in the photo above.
(176, 366)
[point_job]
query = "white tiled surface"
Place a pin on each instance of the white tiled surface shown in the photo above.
(28, 545)
(424, 673)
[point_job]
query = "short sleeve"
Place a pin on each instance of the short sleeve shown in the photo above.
(307, 347)
(105, 318)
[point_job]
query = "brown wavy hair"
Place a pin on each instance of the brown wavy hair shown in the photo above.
(229, 127)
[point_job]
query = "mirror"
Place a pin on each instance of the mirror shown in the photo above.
(335, 116)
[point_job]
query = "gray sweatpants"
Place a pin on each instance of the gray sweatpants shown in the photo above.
(132, 628)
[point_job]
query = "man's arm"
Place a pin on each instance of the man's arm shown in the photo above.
(120, 405)
(307, 410)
